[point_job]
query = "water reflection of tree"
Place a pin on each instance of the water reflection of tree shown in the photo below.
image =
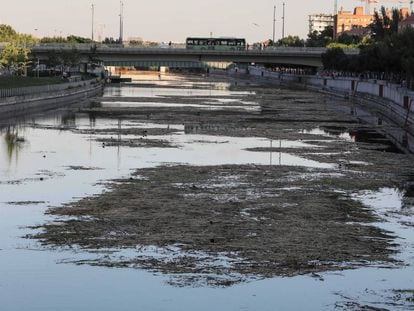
(408, 198)
(69, 120)
(13, 141)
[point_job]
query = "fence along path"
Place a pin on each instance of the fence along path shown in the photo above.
(30, 90)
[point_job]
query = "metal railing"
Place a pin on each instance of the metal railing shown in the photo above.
(32, 90)
(175, 47)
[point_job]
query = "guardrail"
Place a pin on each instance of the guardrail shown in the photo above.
(178, 48)
(31, 90)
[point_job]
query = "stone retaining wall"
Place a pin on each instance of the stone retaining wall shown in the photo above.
(18, 105)
(396, 101)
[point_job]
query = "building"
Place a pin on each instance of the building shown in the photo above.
(357, 23)
(318, 22)
(405, 12)
(346, 21)
(406, 23)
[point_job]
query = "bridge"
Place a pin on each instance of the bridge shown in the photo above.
(181, 57)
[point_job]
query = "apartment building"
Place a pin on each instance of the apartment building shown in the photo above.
(346, 21)
(318, 22)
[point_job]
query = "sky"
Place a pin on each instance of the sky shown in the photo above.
(164, 20)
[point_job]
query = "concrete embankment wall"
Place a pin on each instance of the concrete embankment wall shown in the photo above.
(25, 100)
(396, 101)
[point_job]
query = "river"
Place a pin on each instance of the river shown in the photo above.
(56, 158)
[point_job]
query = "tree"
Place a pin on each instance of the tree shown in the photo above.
(77, 39)
(69, 39)
(70, 57)
(291, 41)
(334, 59)
(111, 41)
(348, 39)
(136, 42)
(320, 39)
(52, 59)
(53, 40)
(383, 25)
(14, 58)
(7, 33)
(93, 58)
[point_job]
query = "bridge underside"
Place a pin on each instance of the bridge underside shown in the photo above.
(203, 62)
(155, 63)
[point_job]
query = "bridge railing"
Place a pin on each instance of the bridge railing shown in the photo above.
(177, 48)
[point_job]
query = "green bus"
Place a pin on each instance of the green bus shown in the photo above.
(219, 44)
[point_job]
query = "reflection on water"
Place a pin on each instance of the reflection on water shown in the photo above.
(387, 132)
(369, 136)
(13, 142)
(206, 106)
(163, 92)
(69, 120)
(337, 132)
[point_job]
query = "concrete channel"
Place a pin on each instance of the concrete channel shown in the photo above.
(391, 101)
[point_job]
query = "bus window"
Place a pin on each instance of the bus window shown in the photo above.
(216, 43)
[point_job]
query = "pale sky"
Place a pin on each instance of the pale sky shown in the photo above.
(164, 20)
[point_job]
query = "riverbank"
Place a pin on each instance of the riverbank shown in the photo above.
(19, 101)
(392, 100)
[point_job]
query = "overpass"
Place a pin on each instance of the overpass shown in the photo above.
(181, 57)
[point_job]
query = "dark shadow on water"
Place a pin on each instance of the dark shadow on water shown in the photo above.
(371, 136)
(14, 141)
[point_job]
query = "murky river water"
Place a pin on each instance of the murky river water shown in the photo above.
(39, 171)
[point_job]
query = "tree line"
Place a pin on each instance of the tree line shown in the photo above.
(14, 56)
(388, 54)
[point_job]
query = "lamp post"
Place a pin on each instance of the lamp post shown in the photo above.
(93, 20)
(274, 23)
(38, 68)
(283, 24)
(121, 22)
(38, 61)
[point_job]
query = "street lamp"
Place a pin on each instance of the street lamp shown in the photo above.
(274, 23)
(283, 24)
(36, 37)
(121, 22)
(93, 17)
(38, 68)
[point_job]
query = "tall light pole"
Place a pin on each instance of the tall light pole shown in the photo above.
(38, 61)
(121, 22)
(283, 24)
(93, 20)
(274, 23)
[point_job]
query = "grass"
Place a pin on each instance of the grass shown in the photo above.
(15, 82)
